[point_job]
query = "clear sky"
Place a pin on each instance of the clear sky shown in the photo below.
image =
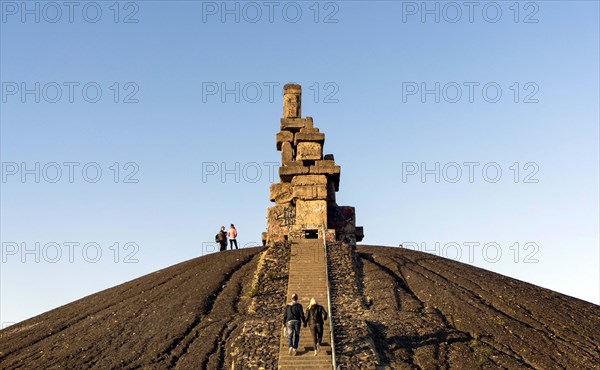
(469, 130)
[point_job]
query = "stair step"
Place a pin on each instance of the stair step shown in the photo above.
(308, 279)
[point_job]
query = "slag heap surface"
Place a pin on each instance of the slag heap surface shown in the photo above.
(305, 196)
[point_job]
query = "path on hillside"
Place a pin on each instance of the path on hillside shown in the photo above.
(307, 279)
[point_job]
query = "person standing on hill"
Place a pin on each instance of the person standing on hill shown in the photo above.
(221, 239)
(292, 319)
(232, 234)
(315, 318)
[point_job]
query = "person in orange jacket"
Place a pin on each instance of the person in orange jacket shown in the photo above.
(232, 234)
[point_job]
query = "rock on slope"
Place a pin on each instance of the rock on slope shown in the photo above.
(406, 310)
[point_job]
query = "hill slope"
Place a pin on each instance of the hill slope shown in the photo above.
(159, 320)
(432, 311)
(402, 308)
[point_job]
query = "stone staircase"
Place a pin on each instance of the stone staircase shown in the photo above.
(307, 279)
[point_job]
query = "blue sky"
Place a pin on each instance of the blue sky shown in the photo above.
(513, 87)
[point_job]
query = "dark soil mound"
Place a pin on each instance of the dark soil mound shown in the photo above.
(433, 312)
(413, 310)
(178, 315)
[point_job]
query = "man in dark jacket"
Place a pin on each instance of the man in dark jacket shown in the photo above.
(221, 239)
(293, 317)
(315, 318)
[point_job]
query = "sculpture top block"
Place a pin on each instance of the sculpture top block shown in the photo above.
(292, 101)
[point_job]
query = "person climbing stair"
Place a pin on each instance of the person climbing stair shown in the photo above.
(292, 319)
(315, 318)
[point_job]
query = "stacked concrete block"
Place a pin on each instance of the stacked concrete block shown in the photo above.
(309, 187)
(305, 201)
(281, 193)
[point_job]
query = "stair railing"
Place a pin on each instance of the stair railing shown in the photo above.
(333, 362)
